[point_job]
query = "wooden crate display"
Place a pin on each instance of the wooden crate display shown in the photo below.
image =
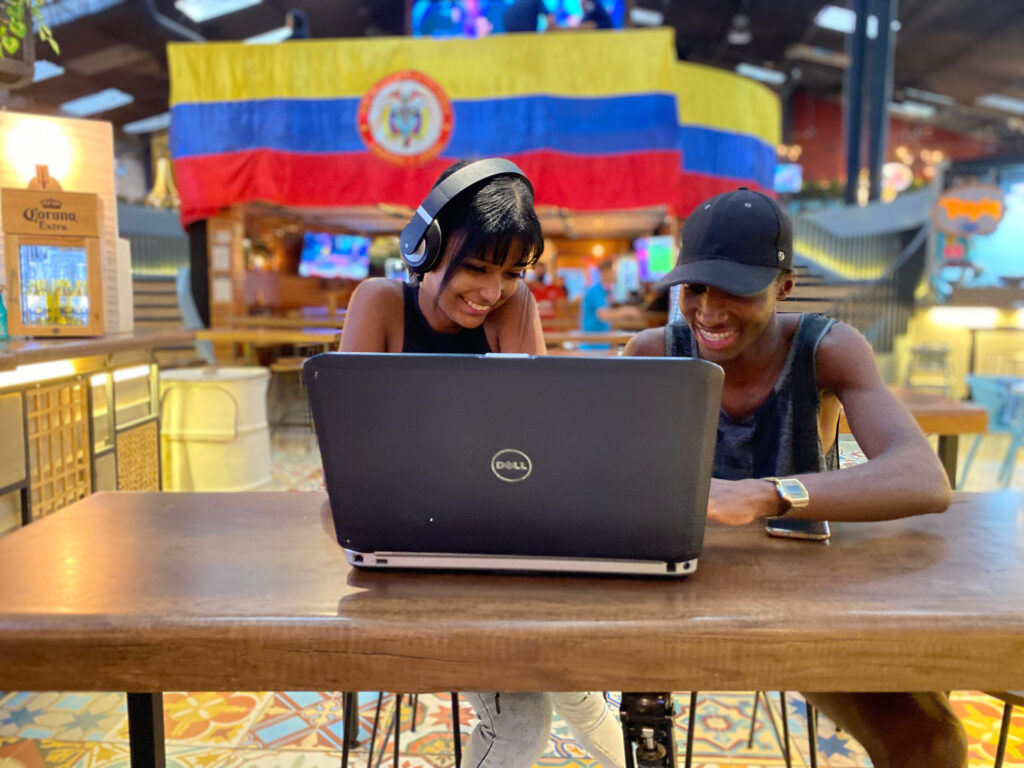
(138, 462)
(58, 439)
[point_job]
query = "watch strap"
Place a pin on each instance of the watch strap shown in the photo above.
(786, 504)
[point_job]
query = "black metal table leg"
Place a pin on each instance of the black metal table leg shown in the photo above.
(947, 450)
(146, 730)
(785, 728)
(753, 720)
(398, 726)
(373, 733)
(456, 729)
(812, 734)
(771, 719)
(349, 726)
(690, 728)
(1003, 731)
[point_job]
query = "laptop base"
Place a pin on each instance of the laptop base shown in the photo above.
(460, 562)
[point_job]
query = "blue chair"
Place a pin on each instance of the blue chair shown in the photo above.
(1003, 398)
(190, 314)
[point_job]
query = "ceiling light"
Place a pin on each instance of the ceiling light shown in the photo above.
(95, 103)
(1004, 103)
(817, 55)
(739, 32)
(204, 10)
(271, 36)
(934, 98)
(645, 17)
(912, 109)
(844, 20)
(54, 14)
(739, 36)
(149, 124)
(837, 19)
(762, 74)
(44, 70)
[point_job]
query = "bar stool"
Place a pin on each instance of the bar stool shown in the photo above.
(1005, 416)
(285, 392)
(812, 727)
(1010, 700)
(782, 738)
(352, 728)
(929, 368)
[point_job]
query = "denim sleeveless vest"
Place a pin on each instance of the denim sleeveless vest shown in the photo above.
(781, 437)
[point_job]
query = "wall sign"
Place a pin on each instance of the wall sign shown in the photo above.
(52, 255)
(971, 209)
(45, 212)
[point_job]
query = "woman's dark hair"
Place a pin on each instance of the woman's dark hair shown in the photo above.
(490, 221)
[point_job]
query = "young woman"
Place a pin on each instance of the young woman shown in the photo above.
(474, 300)
(467, 248)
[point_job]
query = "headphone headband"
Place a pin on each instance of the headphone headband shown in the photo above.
(425, 216)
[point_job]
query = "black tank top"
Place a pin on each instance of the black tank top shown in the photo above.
(781, 437)
(420, 337)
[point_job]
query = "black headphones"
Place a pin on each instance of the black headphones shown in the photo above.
(422, 241)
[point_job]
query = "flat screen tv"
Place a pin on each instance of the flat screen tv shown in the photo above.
(334, 256)
(789, 178)
(655, 256)
(478, 18)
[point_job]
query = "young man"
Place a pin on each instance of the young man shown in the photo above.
(786, 375)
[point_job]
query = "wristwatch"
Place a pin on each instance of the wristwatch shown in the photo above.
(792, 492)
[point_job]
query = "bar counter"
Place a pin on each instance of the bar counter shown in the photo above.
(78, 415)
(30, 351)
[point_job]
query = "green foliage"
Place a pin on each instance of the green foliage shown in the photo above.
(17, 19)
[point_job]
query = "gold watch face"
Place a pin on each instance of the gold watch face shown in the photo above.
(793, 491)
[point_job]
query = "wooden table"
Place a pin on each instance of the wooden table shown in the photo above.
(287, 323)
(179, 591)
(249, 338)
(937, 415)
(555, 338)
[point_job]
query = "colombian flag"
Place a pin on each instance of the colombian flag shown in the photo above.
(729, 127)
(597, 120)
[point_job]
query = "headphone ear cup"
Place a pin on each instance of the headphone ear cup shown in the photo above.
(429, 250)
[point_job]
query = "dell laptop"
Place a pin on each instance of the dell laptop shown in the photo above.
(514, 462)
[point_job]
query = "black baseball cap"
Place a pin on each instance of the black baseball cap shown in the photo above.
(737, 241)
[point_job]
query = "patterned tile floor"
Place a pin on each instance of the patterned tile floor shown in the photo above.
(303, 729)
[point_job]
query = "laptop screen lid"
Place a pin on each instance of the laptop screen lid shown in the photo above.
(517, 455)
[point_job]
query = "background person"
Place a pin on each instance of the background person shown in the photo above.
(525, 16)
(297, 21)
(597, 311)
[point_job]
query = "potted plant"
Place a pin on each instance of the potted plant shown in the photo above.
(18, 18)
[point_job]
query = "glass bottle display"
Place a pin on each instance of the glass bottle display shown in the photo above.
(55, 287)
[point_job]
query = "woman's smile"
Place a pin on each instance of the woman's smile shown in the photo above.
(478, 308)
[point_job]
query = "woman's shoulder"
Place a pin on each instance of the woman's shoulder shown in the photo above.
(378, 289)
(375, 315)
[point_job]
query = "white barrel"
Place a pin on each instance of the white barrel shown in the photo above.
(213, 429)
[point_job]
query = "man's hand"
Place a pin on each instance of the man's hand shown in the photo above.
(738, 502)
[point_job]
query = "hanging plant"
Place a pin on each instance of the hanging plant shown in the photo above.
(17, 19)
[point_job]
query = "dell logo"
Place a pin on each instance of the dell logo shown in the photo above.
(511, 465)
